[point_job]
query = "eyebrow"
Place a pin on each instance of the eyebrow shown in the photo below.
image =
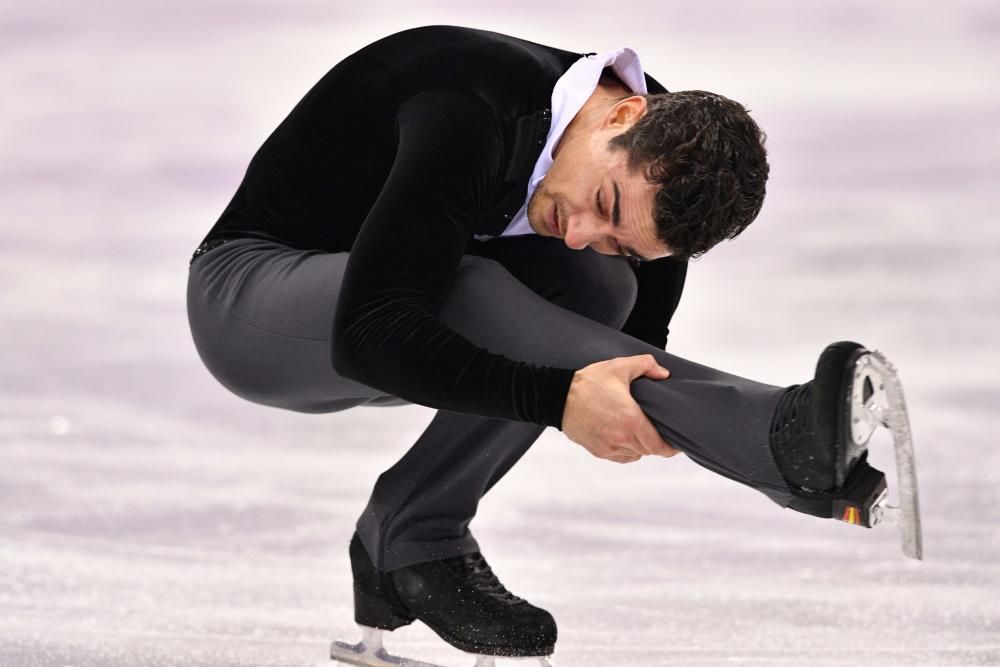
(616, 220)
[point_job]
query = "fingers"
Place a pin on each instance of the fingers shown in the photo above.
(669, 450)
(647, 438)
(641, 436)
(620, 454)
(649, 441)
(624, 455)
(660, 446)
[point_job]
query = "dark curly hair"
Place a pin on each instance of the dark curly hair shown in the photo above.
(708, 158)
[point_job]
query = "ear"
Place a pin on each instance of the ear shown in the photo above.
(625, 113)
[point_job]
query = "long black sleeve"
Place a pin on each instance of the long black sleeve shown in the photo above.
(404, 258)
(660, 285)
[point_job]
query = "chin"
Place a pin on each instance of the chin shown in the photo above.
(536, 204)
(539, 228)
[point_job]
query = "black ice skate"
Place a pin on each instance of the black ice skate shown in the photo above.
(458, 598)
(819, 437)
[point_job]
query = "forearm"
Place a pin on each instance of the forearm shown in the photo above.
(405, 351)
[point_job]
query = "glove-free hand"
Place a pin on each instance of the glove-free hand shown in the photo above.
(602, 416)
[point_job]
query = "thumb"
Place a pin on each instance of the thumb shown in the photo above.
(649, 367)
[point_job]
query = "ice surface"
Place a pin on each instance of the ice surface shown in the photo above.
(151, 518)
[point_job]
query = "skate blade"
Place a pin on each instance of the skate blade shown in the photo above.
(877, 400)
(369, 652)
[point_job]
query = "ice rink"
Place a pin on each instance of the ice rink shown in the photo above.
(149, 517)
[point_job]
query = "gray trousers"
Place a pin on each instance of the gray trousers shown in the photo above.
(261, 315)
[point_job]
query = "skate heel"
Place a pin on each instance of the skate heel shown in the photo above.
(374, 612)
(371, 608)
(858, 502)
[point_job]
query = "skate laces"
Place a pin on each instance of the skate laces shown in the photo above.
(474, 569)
(791, 415)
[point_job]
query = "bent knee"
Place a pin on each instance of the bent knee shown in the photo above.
(599, 287)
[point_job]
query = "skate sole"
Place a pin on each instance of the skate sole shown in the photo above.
(369, 652)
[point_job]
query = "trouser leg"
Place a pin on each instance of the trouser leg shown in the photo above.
(261, 316)
(421, 507)
(721, 421)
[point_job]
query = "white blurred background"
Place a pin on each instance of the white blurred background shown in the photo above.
(151, 518)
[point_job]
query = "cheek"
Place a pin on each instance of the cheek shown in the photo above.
(566, 170)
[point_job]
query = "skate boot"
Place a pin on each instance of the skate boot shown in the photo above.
(459, 598)
(819, 438)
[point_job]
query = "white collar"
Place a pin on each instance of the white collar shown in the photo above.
(570, 93)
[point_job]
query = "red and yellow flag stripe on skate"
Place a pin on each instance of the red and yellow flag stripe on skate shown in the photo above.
(852, 515)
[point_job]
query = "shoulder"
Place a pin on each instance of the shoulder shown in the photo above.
(449, 143)
(457, 113)
(503, 69)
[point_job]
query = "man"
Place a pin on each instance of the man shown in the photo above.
(498, 229)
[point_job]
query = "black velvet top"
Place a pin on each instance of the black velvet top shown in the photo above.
(400, 154)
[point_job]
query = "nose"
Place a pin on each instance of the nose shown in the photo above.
(581, 230)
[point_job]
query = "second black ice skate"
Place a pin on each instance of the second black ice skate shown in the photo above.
(819, 437)
(459, 598)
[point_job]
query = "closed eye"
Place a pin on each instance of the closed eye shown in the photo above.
(600, 210)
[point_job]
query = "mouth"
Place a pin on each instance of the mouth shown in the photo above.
(553, 220)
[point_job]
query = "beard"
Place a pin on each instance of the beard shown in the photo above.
(538, 207)
(536, 212)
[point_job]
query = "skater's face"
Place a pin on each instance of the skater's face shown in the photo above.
(590, 197)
